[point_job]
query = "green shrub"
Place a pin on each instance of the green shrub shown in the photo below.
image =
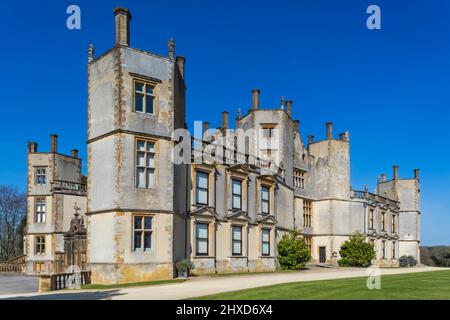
(293, 253)
(407, 261)
(356, 252)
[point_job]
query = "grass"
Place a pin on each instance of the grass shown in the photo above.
(432, 285)
(132, 284)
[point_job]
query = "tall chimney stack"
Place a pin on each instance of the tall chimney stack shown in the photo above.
(225, 120)
(289, 107)
(54, 143)
(310, 139)
(205, 126)
(255, 99)
(417, 174)
(329, 130)
(180, 63)
(296, 125)
(74, 153)
(395, 172)
(32, 147)
(123, 17)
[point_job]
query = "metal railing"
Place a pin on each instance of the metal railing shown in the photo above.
(69, 187)
(205, 150)
(365, 195)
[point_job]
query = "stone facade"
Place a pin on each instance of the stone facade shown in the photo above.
(145, 212)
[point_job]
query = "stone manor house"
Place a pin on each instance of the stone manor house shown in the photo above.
(138, 212)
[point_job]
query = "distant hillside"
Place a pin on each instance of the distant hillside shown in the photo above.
(436, 256)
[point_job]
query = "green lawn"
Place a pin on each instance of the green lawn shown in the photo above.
(424, 285)
(131, 284)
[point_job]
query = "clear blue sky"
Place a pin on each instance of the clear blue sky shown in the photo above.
(389, 88)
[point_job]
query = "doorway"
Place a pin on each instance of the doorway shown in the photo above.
(322, 254)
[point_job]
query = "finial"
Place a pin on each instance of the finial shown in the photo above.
(239, 114)
(91, 53)
(171, 46)
(282, 103)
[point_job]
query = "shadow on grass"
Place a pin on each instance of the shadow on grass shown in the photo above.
(91, 295)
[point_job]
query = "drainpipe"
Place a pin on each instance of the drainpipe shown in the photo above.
(186, 214)
(215, 225)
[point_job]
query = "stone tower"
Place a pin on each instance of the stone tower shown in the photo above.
(54, 186)
(407, 192)
(135, 101)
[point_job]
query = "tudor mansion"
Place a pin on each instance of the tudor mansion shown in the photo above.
(143, 212)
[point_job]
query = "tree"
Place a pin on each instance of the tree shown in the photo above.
(293, 253)
(13, 209)
(356, 252)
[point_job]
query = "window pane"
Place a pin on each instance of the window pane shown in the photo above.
(150, 147)
(265, 248)
(147, 240)
(150, 178)
(150, 160)
(149, 89)
(202, 246)
(141, 145)
(265, 193)
(266, 235)
(237, 233)
(139, 86)
(236, 202)
(148, 223)
(202, 196)
(137, 239)
(149, 104)
(202, 180)
(43, 217)
(236, 186)
(137, 222)
(236, 247)
(202, 231)
(140, 179)
(139, 102)
(140, 161)
(265, 207)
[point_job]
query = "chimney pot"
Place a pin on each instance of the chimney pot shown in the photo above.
(255, 99)
(395, 172)
(225, 120)
(310, 139)
(54, 143)
(289, 107)
(122, 17)
(329, 130)
(74, 153)
(417, 174)
(32, 147)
